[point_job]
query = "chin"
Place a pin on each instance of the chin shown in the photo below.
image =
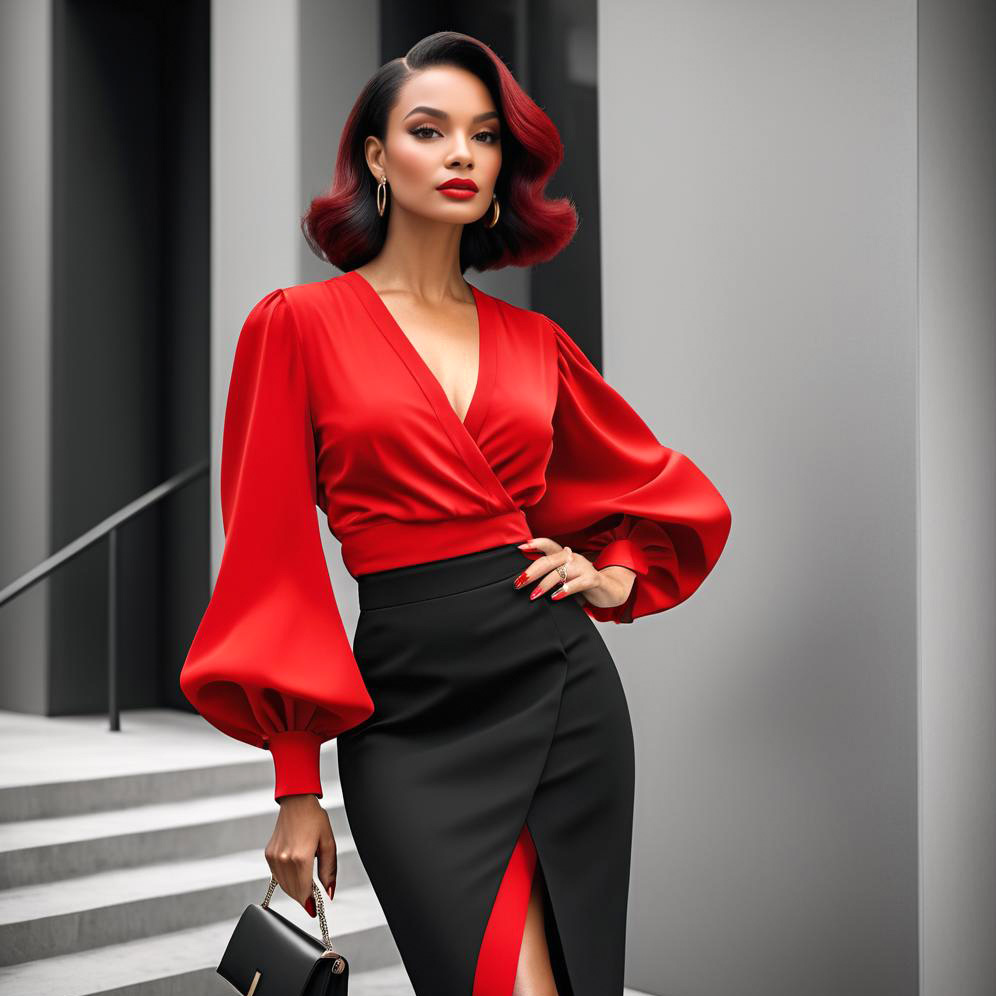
(458, 214)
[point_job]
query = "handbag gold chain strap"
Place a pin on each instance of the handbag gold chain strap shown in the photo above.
(320, 905)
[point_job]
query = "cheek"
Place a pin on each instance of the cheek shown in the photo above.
(487, 164)
(414, 164)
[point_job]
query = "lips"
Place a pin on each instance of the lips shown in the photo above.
(458, 183)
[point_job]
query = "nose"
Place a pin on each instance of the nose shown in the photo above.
(460, 151)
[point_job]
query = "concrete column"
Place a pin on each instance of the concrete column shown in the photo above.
(957, 495)
(25, 344)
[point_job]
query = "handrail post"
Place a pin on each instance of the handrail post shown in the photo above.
(112, 628)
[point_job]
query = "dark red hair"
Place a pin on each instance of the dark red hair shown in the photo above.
(343, 227)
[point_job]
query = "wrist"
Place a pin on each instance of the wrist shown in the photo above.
(624, 574)
(624, 577)
(296, 795)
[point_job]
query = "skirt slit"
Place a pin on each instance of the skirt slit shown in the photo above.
(498, 959)
(558, 962)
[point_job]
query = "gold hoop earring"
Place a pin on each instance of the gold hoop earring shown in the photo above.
(381, 195)
(496, 212)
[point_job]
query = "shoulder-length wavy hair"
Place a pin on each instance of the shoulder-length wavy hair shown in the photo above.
(343, 227)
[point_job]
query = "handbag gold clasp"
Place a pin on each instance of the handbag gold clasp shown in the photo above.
(339, 964)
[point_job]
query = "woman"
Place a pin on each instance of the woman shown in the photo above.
(493, 495)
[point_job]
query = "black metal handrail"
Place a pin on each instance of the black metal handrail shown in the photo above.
(109, 529)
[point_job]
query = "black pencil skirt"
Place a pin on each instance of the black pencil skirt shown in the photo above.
(500, 748)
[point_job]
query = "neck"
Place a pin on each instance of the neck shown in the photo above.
(420, 257)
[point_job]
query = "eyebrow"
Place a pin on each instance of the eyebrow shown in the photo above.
(436, 113)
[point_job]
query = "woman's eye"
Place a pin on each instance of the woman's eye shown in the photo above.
(427, 131)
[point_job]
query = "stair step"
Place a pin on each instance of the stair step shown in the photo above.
(390, 981)
(60, 918)
(183, 962)
(58, 848)
(66, 765)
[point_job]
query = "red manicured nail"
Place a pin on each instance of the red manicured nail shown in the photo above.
(535, 593)
(520, 580)
(558, 594)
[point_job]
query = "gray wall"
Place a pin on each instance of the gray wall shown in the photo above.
(338, 53)
(957, 419)
(25, 342)
(758, 175)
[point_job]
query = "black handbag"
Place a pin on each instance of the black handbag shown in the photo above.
(268, 955)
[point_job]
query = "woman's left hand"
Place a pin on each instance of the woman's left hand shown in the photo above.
(605, 588)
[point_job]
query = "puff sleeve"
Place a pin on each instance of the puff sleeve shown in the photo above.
(620, 497)
(270, 663)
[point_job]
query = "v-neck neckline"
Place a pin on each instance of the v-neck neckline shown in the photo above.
(463, 436)
(430, 382)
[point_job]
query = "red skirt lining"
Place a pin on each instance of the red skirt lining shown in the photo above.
(498, 959)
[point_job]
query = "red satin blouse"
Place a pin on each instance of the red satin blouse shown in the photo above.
(331, 405)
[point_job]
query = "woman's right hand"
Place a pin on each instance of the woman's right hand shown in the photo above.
(303, 830)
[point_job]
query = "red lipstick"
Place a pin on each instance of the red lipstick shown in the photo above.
(458, 188)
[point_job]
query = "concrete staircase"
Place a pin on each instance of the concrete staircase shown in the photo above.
(127, 858)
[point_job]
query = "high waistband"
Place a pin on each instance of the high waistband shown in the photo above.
(434, 578)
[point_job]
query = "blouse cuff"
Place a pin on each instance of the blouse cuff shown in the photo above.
(296, 762)
(622, 553)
